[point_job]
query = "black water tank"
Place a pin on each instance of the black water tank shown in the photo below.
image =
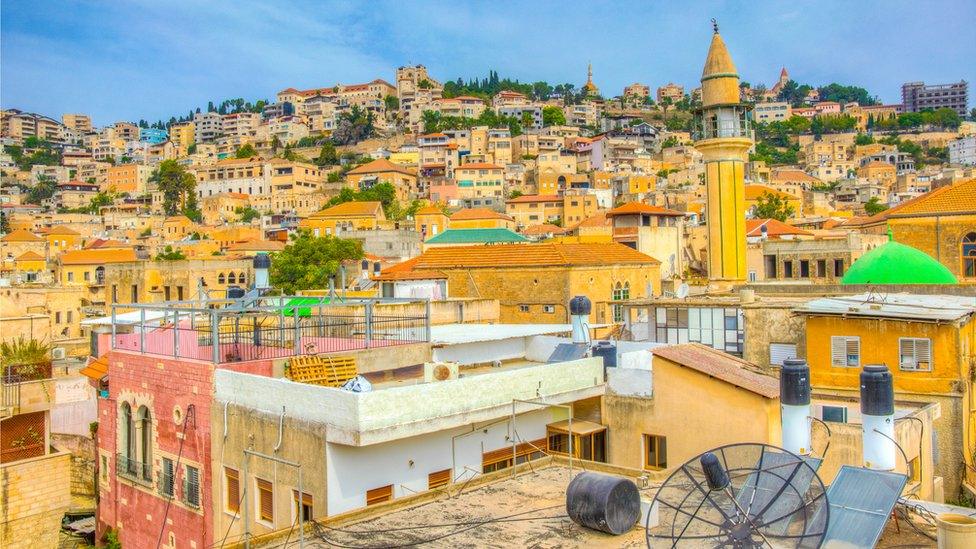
(603, 502)
(877, 391)
(794, 382)
(608, 352)
(262, 261)
(235, 292)
(580, 305)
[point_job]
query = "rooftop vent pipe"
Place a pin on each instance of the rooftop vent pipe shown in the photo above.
(579, 311)
(261, 265)
(794, 399)
(878, 417)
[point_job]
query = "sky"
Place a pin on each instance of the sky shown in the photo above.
(146, 59)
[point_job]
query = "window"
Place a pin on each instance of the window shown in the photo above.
(232, 482)
(191, 486)
(232, 278)
(71, 277)
(438, 479)
(779, 352)
(115, 293)
(787, 269)
(127, 461)
(302, 505)
(241, 279)
(57, 317)
(838, 267)
(549, 309)
(144, 428)
(834, 414)
(769, 262)
(166, 477)
(501, 458)
(523, 308)
(969, 255)
(845, 351)
(821, 268)
(753, 276)
(135, 293)
(915, 353)
(265, 502)
(620, 292)
(104, 468)
(804, 268)
(379, 495)
(655, 452)
(87, 276)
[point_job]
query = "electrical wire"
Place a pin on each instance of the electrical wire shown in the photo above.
(234, 518)
(190, 410)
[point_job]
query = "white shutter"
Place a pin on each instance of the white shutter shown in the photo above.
(778, 352)
(923, 354)
(838, 351)
(853, 352)
(915, 353)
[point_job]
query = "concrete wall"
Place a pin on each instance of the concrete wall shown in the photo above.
(34, 495)
(694, 411)
(768, 322)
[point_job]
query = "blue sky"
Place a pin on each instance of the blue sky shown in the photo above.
(126, 60)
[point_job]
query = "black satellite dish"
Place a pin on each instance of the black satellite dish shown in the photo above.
(742, 496)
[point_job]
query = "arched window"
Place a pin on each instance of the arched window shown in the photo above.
(241, 279)
(969, 255)
(619, 293)
(220, 278)
(128, 436)
(144, 429)
(232, 278)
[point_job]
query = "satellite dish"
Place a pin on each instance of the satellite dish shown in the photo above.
(682, 291)
(743, 496)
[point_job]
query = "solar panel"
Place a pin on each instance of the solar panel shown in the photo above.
(568, 351)
(766, 490)
(861, 500)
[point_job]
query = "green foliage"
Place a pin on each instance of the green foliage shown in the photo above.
(391, 102)
(778, 133)
(353, 126)
(292, 156)
(874, 206)
(553, 116)
(863, 139)
(179, 189)
(42, 190)
(327, 155)
(192, 149)
(311, 141)
(671, 141)
(772, 206)
(384, 193)
(43, 154)
(433, 122)
(4, 223)
(846, 94)
(169, 254)
(111, 540)
(793, 93)
(24, 351)
(102, 198)
(905, 146)
(832, 124)
(246, 214)
(775, 156)
(246, 150)
(943, 118)
(334, 177)
(307, 262)
(488, 87)
(515, 194)
(146, 232)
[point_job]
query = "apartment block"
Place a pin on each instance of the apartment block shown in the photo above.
(916, 96)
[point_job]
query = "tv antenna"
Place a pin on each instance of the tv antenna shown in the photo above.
(743, 496)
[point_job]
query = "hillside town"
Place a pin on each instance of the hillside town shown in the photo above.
(328, 316)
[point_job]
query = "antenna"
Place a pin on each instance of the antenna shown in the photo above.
(744, 496)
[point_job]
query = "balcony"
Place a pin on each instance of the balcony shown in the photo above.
(236, 330)
(133, 470)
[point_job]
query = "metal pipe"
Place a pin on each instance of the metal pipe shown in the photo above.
(142, 330)
(225, 420)
(281, 423)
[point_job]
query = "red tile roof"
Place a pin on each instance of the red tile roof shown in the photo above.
(381, 165)
(478, 213)
(959, 198)
(721, 366)
(774, 227)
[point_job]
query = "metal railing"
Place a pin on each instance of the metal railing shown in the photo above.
(224, 331)
(20, 373)
(132, 469)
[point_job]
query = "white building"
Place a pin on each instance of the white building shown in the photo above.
(963, 151)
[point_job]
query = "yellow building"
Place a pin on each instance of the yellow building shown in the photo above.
(407, 159)
(878, 172)
(404, 180)
(223, 207)
(177, 227)
(87, 267)
(129, 178)
(480, 180)
(182, 135)
(348, 216)
(19, 241)
(430, 221)
(724, 139)
(927, 342)
(569, 209)
(532, 282)
(941, 223)
(61, 238)
(733, 402)
(752, 193)
(480, 218)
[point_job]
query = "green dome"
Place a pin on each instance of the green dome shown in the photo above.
(894, 263)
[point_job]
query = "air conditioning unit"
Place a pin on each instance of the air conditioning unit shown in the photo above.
(58, 353)
(440, 371)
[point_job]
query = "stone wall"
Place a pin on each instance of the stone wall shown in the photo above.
(83, 468)
(34, 495)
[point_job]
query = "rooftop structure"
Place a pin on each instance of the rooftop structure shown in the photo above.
(896, 263)
(940, 308)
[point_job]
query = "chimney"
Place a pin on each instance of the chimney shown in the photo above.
(878, 417)
(579, 310)
(261, 265)
(794, 399)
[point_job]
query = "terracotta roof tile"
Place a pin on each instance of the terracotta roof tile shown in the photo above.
(21, 235)
(788, 174)
(29, 256)
(530, 198)
(632, 208)
(381, 165)
(543, 229)
(429, 210)
(478, 166)
(774, 227)
(753, 192)
(722, 366)
(59, 230)
(951, 199)
(531, 255)
(350, 208)
(92, 257)
(478, 213)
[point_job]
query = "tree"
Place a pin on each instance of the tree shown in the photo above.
(307, 261)
(246, 150)
(391, 103)
(327, 155)
(168, 254)
(246, 214)
(178, 187)
(772, 206)
(42, 190)
(514, 194)
(553, 116)
(671, 141)
(4, 223)
(23, 351)
(275, 144)
(874, 206)
(863, 139)
(353, 126)
(100, 199)
(845, 94)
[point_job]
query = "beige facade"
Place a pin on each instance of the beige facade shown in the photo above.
(36, 495)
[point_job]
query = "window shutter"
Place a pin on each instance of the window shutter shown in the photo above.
(779, 352)
(266, 500)
(233, 490)
(906, 353)
(838, 351)
(923, 354)
(853, 350)
(438, 479)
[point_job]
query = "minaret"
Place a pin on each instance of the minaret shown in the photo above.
(723, 135)
(590, 87)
